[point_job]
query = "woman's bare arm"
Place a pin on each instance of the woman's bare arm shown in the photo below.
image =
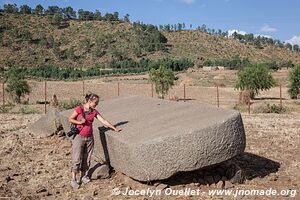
(107, 123)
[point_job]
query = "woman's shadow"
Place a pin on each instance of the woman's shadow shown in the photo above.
(103, 146)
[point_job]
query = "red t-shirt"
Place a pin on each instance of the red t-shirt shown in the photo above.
(86, 129)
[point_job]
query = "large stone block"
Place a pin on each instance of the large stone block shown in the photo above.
(161, 137)
(48, 124)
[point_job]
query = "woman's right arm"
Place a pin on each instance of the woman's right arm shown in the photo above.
(72, 119)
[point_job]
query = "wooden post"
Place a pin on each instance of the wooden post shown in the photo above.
(280, 96)
(184, 92)
(45, 96)
(118, 89)
(218, 101)
(249, 103)
(152, 90)
(3, 101)
(83, 88)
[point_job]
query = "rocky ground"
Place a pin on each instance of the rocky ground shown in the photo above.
(37, 167)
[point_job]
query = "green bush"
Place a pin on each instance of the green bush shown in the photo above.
(28, 110)
(255, 78)
(270, 108)
(294, 78)
(240, 107)
(17, 86)
(69, 104)
(163, 78)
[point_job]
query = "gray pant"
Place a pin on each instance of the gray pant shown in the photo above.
(82, 149)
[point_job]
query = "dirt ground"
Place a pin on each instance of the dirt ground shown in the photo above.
(37, 167)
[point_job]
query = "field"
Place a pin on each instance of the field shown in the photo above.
(37, 167)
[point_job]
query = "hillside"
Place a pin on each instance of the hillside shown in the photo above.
(30, 40)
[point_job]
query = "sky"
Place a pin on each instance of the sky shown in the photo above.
(273, 18)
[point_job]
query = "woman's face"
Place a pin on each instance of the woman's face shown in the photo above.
(94, 102)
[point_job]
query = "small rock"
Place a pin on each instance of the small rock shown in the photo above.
(41, 189)
(238, 177)
(273, 178)
(61, 133)
(221, 184)
(161, 186)
(8, 178)
(88, 198)
(228, 185)
(95, 193)
(99, 171)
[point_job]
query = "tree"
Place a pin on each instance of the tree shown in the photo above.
(97, 15)
(39, 10)
(52, 10)
(255, 78)
(69, 13)
(25, 9)
(296, 47)
(85, 15)
(163, 78)
(116, 16)
(294, 78)
(10, 8)
(17, 86)
(287, 64)
(126, 18)
(288, 46)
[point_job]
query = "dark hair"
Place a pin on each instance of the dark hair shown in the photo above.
(91, 96)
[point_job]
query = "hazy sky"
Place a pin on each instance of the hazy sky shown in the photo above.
(276, 18)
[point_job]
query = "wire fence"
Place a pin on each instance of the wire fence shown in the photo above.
(226, 97)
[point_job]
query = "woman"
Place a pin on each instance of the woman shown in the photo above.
(83, 144)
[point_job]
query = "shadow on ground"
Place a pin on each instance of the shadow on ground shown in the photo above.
(246, 166)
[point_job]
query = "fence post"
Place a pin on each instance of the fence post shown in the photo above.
(184, 92)
(280, 96)
(152, 90)
(83, 88)
(3, 101)
(249, 103)
(45, 96)
(218, 101)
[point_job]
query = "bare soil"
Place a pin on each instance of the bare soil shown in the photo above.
(37, 167)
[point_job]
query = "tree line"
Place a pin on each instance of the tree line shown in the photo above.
(257, 41)
(117, 67)
(236, 63)
(63, 13)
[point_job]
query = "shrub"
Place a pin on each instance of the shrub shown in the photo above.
(294, 78)
(255, 78)
(270, 108)
(69, 104)
(28, 110)
(163, 78)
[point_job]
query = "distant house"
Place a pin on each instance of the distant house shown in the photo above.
(213, 68)
(209, 68)
(220, 67)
